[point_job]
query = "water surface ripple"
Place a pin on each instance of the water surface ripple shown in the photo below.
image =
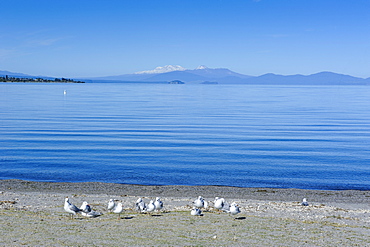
(313, 137)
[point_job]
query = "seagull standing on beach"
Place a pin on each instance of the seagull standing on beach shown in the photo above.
(304, 202)
(150, 207)
(118, 210)
(91, 214)
(219, 203)
(140, 205)
(196, 212)
(70, 208)
(85, 207)
(200, 203)
(111, 204)
(158, 204)
(87, 211)
(234, 209)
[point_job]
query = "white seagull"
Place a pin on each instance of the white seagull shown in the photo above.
(140, 205)
(226, 207)
(158, 204)
(91, 214)
(87, 211)
(85, 207)
(200, 203)
(234, 209)
(219, 203)
(70, 208)
(304, 202)
(150, 207)
(196, 212)
(118, 210)
(111, 204)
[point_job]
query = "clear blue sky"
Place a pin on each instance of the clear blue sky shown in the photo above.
(78, 38)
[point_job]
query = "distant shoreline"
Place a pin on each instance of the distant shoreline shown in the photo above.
(268, 194)
(37, 82)
(10, 79)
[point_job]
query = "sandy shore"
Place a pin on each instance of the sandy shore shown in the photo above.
(31, 214)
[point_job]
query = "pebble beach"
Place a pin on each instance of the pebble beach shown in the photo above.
(32, 214)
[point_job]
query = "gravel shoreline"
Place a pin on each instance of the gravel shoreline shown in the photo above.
(32, 215)
(357, 197)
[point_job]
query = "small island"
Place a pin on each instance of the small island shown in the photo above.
(176, 82)
(24, 79)
(209, 82)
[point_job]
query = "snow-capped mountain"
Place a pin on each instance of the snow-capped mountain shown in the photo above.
(201, 67)
(164, 69)
(205, 75)
(168, 68)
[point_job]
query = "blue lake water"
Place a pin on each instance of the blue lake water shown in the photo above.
(310, 137)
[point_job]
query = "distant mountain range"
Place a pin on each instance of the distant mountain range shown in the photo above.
(8, 73)
(202, 74)
(205, 75)
(4, 73)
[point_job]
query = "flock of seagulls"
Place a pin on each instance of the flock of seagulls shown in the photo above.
(115, 208)
(85, 209)
(152, 206)
(219, 204)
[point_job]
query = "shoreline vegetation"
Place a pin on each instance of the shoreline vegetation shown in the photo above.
(31, 213)
(24, 79)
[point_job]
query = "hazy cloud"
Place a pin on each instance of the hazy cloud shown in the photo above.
(42, 37)
(43, 42)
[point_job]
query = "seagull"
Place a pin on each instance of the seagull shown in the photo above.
(70, 208)
(65, 92)
(150, 207)
(226, 207)
(304, 202)
(111, 204)
(200, 203)
(196, 212)
(219, 203)
(234, 209)
(85, 207)
(158, 204)
(118, 210)
(87, 211)
(140, 205)
(91, 214)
